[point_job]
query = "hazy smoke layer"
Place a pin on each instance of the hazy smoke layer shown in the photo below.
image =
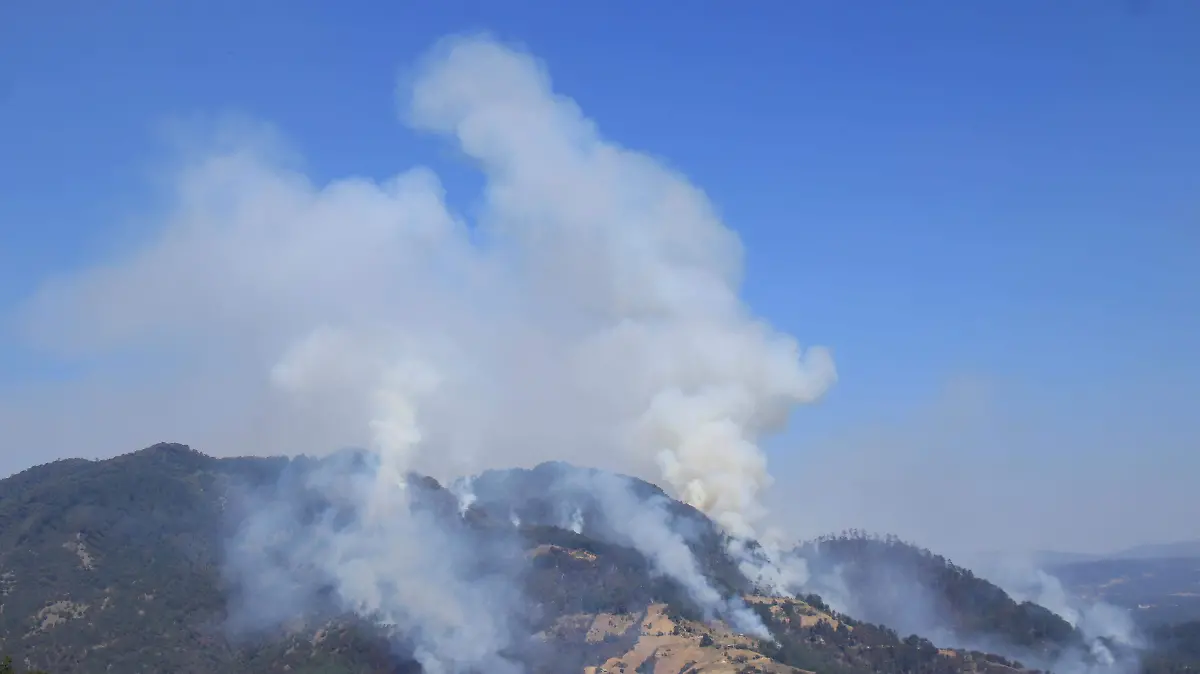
(647, 527)
(891, 583)
(1111, 635)
(341, 536)
(627, 512)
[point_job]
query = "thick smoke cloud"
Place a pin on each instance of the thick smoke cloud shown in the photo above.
(646, 526)
(589, 313)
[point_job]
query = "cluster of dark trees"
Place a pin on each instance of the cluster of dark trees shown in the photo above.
(7, 667)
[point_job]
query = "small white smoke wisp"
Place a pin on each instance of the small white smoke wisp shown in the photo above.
(464, 493)
(1094, 619)
(768, 566)
(1100, 623)
(576, 523)
(395, 432)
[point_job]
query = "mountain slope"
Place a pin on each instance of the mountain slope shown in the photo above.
(1175, 550)
(885, 580)
(556, 494)
(118, 565)
(115, 561)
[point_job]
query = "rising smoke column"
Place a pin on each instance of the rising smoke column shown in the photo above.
(607, 290)
(383, 561)
(652, 285)
(1113, 639)
(645, 525)
(628, 262)
(590, 313)
(343, 526)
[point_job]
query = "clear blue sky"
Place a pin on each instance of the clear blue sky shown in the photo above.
(1004, 193)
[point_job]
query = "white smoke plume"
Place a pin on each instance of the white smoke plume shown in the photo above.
(647, 526)
(884, 582)
(576, 522)
(769, 566)
(589, 313)
(464, 493)
(380, 560)
(1101, 624)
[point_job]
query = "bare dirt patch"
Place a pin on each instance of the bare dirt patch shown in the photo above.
(664, 647)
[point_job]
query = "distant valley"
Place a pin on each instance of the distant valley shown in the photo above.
(1157, 583)
(1156, 590)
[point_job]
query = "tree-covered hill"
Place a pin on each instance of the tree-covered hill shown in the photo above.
(119, 566)
(886, 580)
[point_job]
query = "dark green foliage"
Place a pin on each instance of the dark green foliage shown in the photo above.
(7, 667)
(134, 545)
(614, 583)
(816, 602)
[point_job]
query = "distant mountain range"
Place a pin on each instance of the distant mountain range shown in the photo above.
(1177, 550)
(1158, 583)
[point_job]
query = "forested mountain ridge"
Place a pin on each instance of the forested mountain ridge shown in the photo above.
(915, 590)
(117, 565)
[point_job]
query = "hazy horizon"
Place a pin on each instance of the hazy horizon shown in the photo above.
(969, 556)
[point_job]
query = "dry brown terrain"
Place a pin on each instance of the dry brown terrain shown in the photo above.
(664, 646)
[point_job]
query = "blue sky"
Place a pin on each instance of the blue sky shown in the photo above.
(980, 206)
